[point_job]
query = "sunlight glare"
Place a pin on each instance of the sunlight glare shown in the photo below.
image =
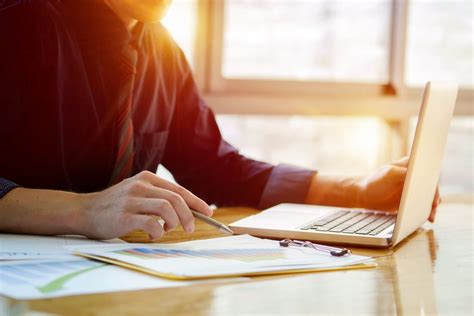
(181, 22)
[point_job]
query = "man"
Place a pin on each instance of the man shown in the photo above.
(94, 95)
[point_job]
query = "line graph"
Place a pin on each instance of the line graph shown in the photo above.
(46, 277)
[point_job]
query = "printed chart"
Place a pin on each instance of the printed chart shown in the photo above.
(38, 279)
(46, 277)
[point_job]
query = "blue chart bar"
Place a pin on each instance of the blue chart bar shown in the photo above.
(247, 255)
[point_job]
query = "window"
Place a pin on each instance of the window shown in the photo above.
(321, 40)
(440, 42)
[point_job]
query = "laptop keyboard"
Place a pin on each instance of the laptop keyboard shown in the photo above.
(348, 222)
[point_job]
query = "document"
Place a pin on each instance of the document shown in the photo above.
(39, 279)
(19, 247)
(219, 257)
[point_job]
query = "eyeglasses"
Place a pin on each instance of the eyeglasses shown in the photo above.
(337, 252)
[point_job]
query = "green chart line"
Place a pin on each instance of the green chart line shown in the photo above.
(58, 283)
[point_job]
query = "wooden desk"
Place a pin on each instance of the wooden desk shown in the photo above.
(429, 273)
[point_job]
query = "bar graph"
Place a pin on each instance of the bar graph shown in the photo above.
(245, 255)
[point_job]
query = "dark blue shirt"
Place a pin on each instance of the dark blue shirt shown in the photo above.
(58, 122)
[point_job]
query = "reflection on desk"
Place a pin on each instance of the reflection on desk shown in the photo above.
(429, 273)
(416, 257)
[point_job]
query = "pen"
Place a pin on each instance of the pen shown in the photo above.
(222, 227)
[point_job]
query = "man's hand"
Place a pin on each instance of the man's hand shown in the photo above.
(127, 206)
(111, 213)
(383, 189)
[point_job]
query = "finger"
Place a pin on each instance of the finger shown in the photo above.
(398, 173)
(403, 162)
(180, 207)
(437, 198)
(148, 224)
(156, 206)
(170, 206)
(432, 216)
(190, 199)
(436, 202)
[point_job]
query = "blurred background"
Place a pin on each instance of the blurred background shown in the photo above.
(333, 85)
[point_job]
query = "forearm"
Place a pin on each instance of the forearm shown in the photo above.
(42, 212)
(334, 191)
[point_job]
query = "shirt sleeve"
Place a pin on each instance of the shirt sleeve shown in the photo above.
(6, 186)
(202, 161)
(286, 184)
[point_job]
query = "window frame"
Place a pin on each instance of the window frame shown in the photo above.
(392, 101)
(219, 84)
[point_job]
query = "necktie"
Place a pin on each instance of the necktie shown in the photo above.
(124, 161)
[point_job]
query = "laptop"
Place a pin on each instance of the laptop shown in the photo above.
(371, 227)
